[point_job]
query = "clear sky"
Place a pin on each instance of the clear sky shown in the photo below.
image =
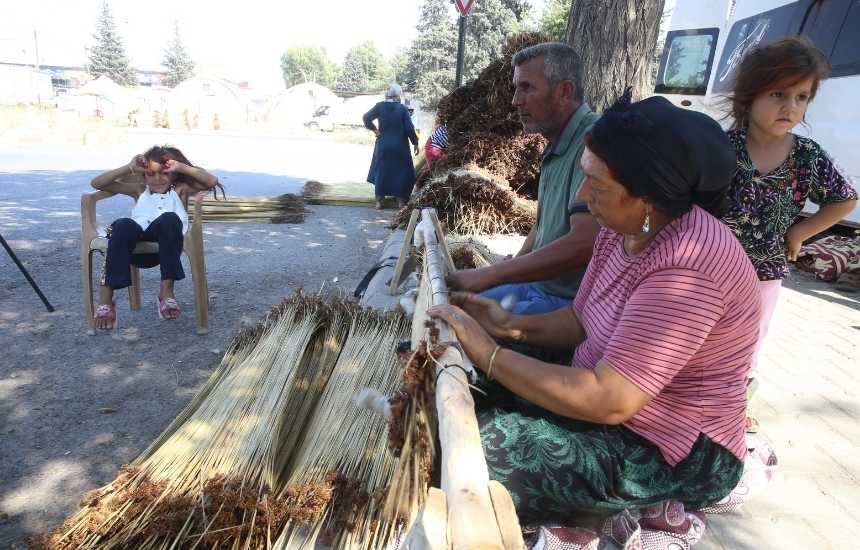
(239, 40)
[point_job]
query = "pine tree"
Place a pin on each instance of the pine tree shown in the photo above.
(431, 59)
(177, 61)
(107, 56)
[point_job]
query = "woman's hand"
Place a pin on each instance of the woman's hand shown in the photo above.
(377, 133)
(475, 341)
(415, 150)
(488, 313)
(793, 241)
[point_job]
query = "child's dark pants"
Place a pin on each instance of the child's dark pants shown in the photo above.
(125, 233)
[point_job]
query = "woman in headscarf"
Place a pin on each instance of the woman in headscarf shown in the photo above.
(664, 326)
(391, 169)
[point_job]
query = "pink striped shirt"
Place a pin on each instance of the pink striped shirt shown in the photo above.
(679, 320)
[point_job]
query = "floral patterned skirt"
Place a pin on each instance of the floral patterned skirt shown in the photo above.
(557, 468)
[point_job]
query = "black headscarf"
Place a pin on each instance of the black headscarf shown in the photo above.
(672, 157)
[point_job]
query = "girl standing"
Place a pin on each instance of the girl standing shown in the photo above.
(776, 169)
(159, 215)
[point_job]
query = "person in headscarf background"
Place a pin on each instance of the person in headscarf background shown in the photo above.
(777, 170)
(391, 169)
(663, 326)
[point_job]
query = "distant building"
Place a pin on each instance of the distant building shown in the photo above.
(70, 78)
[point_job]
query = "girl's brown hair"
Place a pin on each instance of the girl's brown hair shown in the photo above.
(773, 65)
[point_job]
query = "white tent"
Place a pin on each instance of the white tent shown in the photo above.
(208, 103)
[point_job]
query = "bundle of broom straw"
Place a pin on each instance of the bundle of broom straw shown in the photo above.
(342, 194)
(271, 451)
(286, 208)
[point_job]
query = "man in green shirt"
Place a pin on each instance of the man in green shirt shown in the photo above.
(545, 274)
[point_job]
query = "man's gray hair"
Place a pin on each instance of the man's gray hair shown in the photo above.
(560, 62)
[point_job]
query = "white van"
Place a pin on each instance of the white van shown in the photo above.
(706, 41)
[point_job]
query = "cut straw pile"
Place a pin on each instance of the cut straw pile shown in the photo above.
(473, 203)
(286, 208)
(272, 452)
(485, 132)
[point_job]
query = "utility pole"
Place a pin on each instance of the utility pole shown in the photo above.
(461, 48)
(464, 7)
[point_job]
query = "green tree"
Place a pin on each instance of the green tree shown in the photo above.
(107, 55)
(307, 63)
(364, 69)
(396, 71)
(553, 21)
(176, 59)
(489, 24)
(430, 61)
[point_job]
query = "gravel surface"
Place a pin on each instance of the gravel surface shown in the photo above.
(73, 407)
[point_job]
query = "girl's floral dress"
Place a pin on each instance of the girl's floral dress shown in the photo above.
(762, 207)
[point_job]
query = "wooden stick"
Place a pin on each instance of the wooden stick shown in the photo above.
(404, 253)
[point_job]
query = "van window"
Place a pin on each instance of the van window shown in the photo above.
(748, 32)
(685, 65)
(845, 59)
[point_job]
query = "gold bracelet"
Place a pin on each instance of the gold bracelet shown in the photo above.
(490, 363)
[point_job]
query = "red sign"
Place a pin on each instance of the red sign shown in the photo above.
(464, 6)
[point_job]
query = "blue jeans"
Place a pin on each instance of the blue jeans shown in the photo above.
(529, 299)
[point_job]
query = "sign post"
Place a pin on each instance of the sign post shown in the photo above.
(464, 7)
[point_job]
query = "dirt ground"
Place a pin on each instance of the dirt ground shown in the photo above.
(74, 407)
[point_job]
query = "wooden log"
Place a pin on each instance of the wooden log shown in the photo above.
(471, 518)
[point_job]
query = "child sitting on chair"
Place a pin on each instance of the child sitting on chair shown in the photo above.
(159, 215)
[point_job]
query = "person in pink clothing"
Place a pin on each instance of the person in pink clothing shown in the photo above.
(663, 326)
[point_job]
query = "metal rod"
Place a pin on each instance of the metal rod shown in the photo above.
(26, 275)
(461, 50)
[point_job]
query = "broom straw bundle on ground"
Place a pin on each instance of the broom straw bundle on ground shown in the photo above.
(345, 448)
(286, 208)
(272, 448)
(208, 478)
(343, 194)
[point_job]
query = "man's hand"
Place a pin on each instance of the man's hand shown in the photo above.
(488, 313)
(470, 280)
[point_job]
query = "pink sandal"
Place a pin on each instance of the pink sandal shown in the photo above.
(108, 312)
(167, 305)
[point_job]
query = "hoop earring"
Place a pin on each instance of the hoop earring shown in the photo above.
(646, 225)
